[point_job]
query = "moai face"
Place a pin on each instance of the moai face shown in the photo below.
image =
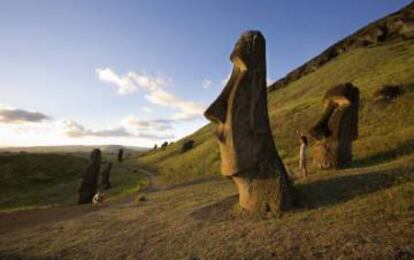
(338, 126)
(240, 112)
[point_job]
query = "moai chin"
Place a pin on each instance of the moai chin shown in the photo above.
(337, 128)
(248, 153)
(89, 183)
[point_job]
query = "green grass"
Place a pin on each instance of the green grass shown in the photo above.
(383, 134)
(43, 180)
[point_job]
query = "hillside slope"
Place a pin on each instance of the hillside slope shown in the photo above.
(385, 134)
(30, 180)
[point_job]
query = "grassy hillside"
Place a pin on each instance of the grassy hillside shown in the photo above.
(385, 134)
(356, 214)
(44, 180)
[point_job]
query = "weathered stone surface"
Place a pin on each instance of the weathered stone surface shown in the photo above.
(106, 173)
(89, 183)
(248, 153)
(120, 155)
(337, 128)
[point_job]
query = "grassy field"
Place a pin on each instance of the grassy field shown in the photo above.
(30, 181)
(358, 213)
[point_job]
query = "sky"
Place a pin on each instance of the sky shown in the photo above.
(142, 72)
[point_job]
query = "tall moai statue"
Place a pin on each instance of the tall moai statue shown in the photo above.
(120, 155)
(337, 128)
(248, 153)
(89, 183)
(106, 173)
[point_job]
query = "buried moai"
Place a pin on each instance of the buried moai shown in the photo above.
(337, 128)
(248, 153)
(89, 183)
(120, 155)
(105, 176)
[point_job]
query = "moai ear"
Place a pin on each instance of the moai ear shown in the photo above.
(354, 113)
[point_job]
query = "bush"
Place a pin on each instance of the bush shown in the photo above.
(187, 146)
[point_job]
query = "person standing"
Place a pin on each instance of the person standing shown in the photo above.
(302, 153)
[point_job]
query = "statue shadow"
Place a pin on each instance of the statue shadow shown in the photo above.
(339, 189)
(404, 149)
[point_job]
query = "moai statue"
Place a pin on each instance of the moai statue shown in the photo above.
(105, 176)
(120, 155)
(90, 178)
(248, 153)
(337, 128)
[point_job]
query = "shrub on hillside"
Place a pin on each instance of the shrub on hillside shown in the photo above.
(187, 146)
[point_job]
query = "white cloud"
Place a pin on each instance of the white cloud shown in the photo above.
(146, 109)
(10, 115)
(155, 89)
(75, 130)
(269, 81)
(157, 125)
(207, 83)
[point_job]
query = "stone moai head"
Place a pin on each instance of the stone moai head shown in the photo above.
(338, 127)
(90, 178)
(240, 112)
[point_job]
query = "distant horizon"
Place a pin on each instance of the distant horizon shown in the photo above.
(100, 73)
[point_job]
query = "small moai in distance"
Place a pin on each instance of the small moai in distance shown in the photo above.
(106, 175)
(337, 128)
(120, 155)
(248, 153)
(89, 183)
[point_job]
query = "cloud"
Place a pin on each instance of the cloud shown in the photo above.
(207, 83)
(75, 130)
(132, 81)
(157, 125)
(11, 115)
(146, 109)
(155, 92)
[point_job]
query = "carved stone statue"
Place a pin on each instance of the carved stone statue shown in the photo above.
(248, 153)
(120, 155)
(105, 176)
(90, 178)
(337, 128)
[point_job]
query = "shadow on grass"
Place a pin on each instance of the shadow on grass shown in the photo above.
(338, 189)
(404, 149)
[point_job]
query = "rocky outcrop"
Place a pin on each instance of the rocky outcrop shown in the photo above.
(248, 153)
(89, 183)
(399, 25)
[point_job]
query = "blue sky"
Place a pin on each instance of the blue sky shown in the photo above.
(141, 72)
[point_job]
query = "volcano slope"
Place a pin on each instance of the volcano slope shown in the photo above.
(364, 211)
